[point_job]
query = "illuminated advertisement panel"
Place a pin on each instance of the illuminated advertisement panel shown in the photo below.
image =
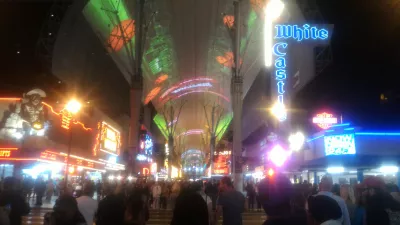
(325, 120)
(343, 144)
(109, 139)
(221, 162)
(73, 160)
(7, 152)
(278, 40)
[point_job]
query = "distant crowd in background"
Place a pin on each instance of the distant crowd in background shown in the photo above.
(203, 203)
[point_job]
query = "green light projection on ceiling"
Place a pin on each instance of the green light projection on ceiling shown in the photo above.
(104, 16)
(158, 57)
(223, 125)
(161, 124)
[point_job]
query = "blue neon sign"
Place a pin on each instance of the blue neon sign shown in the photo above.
(283, 34)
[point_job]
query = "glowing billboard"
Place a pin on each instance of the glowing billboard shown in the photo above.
(283, 35)
(110, 139)
(325, 120)
(343, 144)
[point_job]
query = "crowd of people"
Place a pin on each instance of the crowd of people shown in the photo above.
(371, 202)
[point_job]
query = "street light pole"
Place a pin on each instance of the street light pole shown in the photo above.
(69, 153)
(72, 108)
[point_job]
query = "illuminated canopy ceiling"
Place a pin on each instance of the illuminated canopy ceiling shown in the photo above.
(187, 54)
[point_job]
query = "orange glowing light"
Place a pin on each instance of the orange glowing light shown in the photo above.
(229, 20)
(19, 159)
(258, 6)
(161, 79)
(152, 94)
(10, 149)
(10, 99)
(271, 172)
(66, 118)
(121, 34)
(5, 153)
(97, 143)
(325, 120)
(146, 171)
(227, 60)
(60, 114)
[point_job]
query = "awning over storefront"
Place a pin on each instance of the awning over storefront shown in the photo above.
(355, 161)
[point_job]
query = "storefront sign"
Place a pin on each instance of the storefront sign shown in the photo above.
(325, 120)
(283, 35)
(62, 158)
(221, 164)
(110, 139)
(5, 153)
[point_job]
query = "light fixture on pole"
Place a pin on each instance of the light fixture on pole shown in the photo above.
(279, 111)
(72, 107)
(273, 10)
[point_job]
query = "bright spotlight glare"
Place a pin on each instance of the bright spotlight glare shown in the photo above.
(278, 155)
(296, 141)
(73, 106)
(272, 12)
(389, 169)
(279, 111)
(111, 177)
(119, 177)
(335, 169)
(130, 178)
(274, 9)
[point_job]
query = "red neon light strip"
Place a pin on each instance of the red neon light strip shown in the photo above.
(18, 159)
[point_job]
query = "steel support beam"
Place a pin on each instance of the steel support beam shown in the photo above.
(136, 91)
(237, 104)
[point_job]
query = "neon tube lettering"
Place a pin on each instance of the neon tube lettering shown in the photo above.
(299, 33)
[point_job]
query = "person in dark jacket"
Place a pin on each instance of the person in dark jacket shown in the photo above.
(276, 195)
(65, 212)
(13, 198)
(190, 208)
(111, 210)
(40, 189)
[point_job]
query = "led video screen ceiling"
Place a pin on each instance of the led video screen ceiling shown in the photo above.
(187, 54)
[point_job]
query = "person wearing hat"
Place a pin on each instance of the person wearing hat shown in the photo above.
(378, 202)
(323, 210)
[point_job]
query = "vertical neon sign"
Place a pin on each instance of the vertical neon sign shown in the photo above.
(283, 34)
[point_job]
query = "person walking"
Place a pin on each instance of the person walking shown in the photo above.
(230, 203)
(325, 188)
(156, 191)
(40, 189)
(49, 190)
(86, 204)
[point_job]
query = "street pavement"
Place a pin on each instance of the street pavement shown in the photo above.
(157, 217)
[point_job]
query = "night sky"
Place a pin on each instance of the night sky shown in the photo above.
(364, 43)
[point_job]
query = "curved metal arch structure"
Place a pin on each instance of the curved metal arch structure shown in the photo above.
(187, 53)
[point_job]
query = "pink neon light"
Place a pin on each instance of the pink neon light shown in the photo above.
(278, 155)
(204, 91)
(184, 82)
(194, 131)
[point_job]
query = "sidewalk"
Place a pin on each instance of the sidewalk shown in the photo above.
(46, 204)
